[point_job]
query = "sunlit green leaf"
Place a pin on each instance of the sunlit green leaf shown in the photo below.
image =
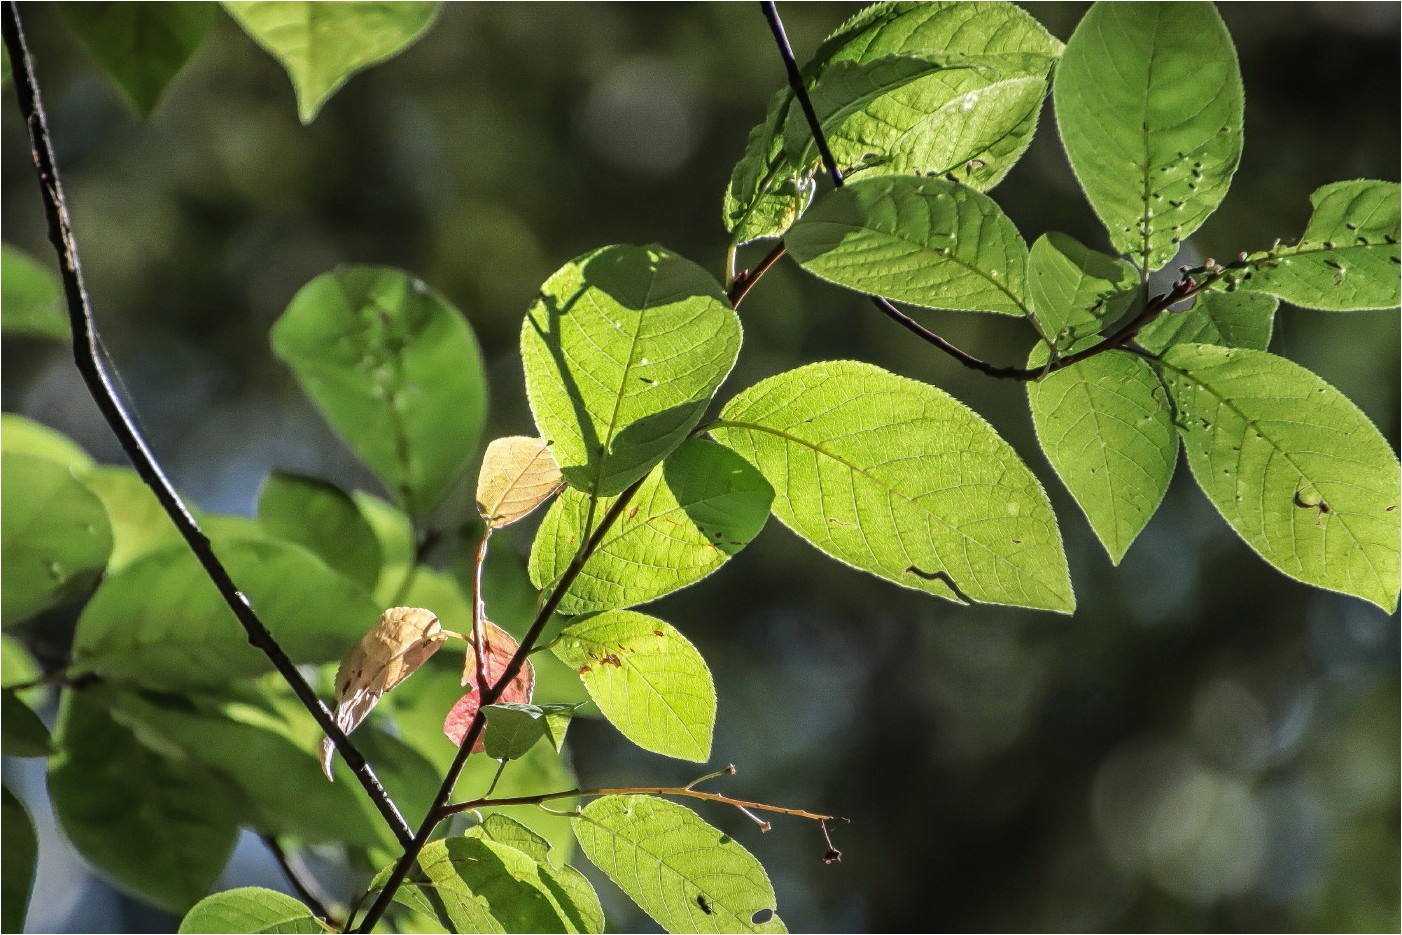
(155, 826)
(1149, 103)
(623, 350)
(323, 518)
(1074, 289)
(17, 664)
(1348, 259)
(702, 505)
(1292, 465)
(478, 884)
(394, 368)
(394, 533)
(1107, 427)
(646, 678)
(684, 873)
(512, 729)
(322, 44)
(19, 846)
(929, 242)
(27, 437)
(570, 887)
(140, 47)
(1231, 319)
(56, 538)
(161, 622)
(873, 104)
(140, 524)
(902, 480)
(24, 735)
(249, 909)
(31, 297)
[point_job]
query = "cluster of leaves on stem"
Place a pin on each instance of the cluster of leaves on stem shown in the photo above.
(172, 735)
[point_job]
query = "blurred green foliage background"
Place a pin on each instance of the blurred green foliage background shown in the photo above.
(1204, 746)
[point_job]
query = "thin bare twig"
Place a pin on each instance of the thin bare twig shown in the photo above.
(100, 384)
(437, 812)
(683, 791)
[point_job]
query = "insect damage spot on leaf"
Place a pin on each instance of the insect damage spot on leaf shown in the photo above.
(400, 641)
(948, 582)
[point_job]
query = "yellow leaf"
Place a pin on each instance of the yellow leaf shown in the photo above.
(518, 475)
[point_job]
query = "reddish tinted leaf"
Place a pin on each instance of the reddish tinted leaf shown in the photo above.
(500, 647)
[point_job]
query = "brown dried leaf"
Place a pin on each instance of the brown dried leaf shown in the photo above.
(500, 647)
(400, 641)
(518, 475)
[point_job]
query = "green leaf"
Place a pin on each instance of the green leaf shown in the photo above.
(646, 678)
(278, 782)
(394, 533)
(1231, 319)
(702, 505)
(155, 826)
(876, 99)
(26, 437)
(512, 729)
(902, 480)
(1292, 465)
(161, 622)
(323, 518)
(476, 884)
(140, 525)
(16, 663)
(394, 368)
(684, 873)
(140, 47)
(24, 735)
(930, 114)
(929, 242)
(31, 297)
(1347, 259)
(570, 887)
(1074, 289)
(623, 350)
(20, 847)
(1107, 428)
(56, 538)
(1149, 102)
(322, 44)
(249, 909)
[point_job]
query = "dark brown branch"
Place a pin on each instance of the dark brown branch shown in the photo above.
(746, 280)
(1185, 288)
(303, 887)
(687, 791)
(438, 810)
(100, 385)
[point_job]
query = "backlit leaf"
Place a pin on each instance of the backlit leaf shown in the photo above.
(1074, 289)
(499, 647)
(623, 350)
(1292, 465)
(646, 678)
(570, 887)
(518, 475)
(56, 538)
(902, 480)
(1231, 319)
(1348, 259)
(702, 505)
(249, 909)
(684, 873)
(1106, 425)
(513, 729)
(1149, 102)
(322, 44)
(402, 639)
(929, 242)
(393, 367)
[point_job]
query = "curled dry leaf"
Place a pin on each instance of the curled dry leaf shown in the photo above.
(400, 641)
(500, 646)
(518, 475)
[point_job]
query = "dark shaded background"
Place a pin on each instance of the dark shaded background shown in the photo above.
(1204, 746)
